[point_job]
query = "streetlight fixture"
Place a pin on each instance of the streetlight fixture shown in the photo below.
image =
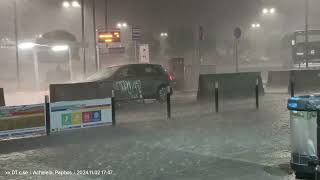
(272, 10)
(66, 4)
(75, 4)
(122, 25)
(255, 25)
(265, 11)
(164, 34)
(268, 11)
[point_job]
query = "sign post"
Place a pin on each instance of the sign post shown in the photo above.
(136, 36)
(237, 34)
(144, 53)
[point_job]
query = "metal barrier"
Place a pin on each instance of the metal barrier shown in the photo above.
(303, 81)
(278, 79)
(80, 91)
(233, 85)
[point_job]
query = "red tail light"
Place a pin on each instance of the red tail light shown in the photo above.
(170, 77)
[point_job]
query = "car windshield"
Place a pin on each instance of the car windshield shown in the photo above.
(103, 74)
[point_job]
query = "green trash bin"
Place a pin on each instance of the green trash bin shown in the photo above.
(303, 127)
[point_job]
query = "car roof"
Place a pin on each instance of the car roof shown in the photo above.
(136, 64)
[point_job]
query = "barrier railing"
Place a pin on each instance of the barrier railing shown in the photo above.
(230, 86)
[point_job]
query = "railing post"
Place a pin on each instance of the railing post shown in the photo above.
(257, 93)
(47, 115)
(113, 108)
(216, 96)
(292, 84)
(317, 169)
(169, 102)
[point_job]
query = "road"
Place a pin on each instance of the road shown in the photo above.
(240, 142)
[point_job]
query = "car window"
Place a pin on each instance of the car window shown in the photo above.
(103, 74)
(126, 72)
(151, 70)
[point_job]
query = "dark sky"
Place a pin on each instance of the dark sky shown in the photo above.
(157, 14)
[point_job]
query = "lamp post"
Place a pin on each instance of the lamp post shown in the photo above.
(16, 42)
(307, 33)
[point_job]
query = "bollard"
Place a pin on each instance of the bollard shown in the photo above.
(257, 93)
(168, 102)
(317, 169)
(113, 108)
(47, 115)
(292, 86)
(216, 96)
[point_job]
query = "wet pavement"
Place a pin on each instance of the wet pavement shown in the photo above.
(240, 142)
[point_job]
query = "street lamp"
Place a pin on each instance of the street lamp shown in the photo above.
(66, 4)
(265, 11)
(255, 25)
(122, 25)
(268, 11)
(163, 34)
(74, 4)
(272, 10)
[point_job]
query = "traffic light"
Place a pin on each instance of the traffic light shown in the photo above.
(108, 37)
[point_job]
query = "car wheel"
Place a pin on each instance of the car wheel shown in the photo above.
(162, 94)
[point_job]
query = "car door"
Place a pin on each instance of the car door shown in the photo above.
(151, 80)
(127, 84)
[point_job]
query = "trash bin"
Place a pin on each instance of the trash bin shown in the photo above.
(303, 125)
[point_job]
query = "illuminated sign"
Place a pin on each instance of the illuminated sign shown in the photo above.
(108, 37)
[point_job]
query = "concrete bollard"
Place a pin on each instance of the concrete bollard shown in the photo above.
(168, 102)
(113, 108)
(47, 115)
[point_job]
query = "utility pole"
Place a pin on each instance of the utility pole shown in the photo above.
(17, 45)
(106, 15)
(83, 40)
(95, 34)
(306, 53)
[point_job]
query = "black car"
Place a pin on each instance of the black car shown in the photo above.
(136, 81)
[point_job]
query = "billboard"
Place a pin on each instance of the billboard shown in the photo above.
(21, 121)
(80, 114)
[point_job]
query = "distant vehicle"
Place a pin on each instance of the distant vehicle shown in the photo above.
(299, 46)
(136, 81)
